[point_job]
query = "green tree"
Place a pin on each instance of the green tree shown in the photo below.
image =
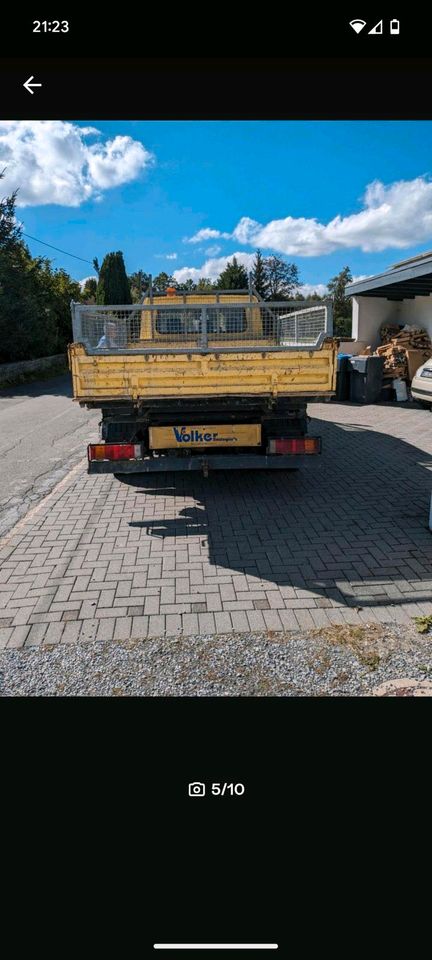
(342, 307)
(61, 289)
(28, 319)
(9, 229)
(259, 276)
(113, 285)
(89, 290)
(139, 285)
(282, 278)
(204, 285)
(35, 319)
(234, 277)
(188, 286)
(162, 281)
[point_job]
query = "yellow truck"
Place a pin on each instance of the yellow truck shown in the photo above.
(202, 381)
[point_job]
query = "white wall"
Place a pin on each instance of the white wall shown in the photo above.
(370, 312)
(418, 313)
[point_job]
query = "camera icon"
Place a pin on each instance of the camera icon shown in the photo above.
(196, 789)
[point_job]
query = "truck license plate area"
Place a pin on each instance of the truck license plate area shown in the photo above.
(198, 435)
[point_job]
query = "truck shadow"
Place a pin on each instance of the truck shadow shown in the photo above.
(351, 527)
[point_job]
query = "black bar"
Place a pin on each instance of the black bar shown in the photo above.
(134, 30)
(164, 89)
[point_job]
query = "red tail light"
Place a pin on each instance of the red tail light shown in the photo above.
(114, 451)
(295, 445)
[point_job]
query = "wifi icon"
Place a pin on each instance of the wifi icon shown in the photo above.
(357, 25)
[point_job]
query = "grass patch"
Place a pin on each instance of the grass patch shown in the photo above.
(366, 643)
(423, 624)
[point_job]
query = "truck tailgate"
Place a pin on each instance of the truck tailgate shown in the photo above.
(134, 376)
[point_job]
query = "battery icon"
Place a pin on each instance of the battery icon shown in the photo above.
(394, 26)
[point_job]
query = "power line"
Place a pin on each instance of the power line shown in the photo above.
(57, 248)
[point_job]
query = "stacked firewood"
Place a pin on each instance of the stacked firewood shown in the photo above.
(395, 343)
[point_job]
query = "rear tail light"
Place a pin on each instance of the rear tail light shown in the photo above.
(295, 445)
(115, 451)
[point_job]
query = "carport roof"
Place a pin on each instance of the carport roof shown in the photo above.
(406, 280)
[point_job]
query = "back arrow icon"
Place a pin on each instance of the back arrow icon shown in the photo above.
(28, 85)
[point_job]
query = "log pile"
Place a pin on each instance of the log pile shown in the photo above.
(396, 341)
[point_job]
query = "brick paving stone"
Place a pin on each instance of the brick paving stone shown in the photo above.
(239, 621)
(139, 628)
(190, 624)
(87, 610)
(36, 634)
(255, 620)
(206, 622)
(276, 602)
(227, 591)
(54, 633)
(173, 623)
(105, 630)
(156, 626)
(223, 622)
(182, 585)
(305, 620)
(46, 617)
(171, 609)
(89, 630)
(272, 619)
(214, 603)
(71, 632)
(288, 619)
(21, 617)
(238, 605)
(320, 618)
(122, 629)
(19, 637)
(151, 605)
(5, 635)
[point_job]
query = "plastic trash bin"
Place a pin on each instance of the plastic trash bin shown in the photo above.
(366, 379)
(343, 376)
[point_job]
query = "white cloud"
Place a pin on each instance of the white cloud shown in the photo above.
(50, 161)
(307, 289)
(207, 233)
(171, 256)
(246, 230)
(213, 251)
(398, 215)
(213, 267)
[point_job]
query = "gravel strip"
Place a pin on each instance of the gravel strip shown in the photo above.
(336, 661)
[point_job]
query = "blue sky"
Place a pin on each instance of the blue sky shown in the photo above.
(322, 194)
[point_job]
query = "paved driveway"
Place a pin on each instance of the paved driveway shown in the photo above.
(344, 540)
(42, 435)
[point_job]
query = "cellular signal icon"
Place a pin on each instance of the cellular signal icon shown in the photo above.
(357, 25)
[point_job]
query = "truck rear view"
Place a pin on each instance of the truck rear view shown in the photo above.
(202, 382)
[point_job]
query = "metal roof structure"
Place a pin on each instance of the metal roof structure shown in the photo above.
(406, 280)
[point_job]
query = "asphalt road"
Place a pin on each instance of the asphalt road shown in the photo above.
(43, 434)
